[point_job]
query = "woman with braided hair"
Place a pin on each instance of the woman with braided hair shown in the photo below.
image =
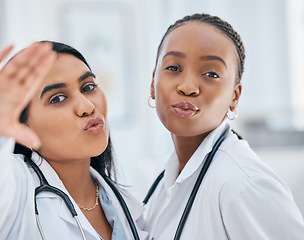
(196, 86)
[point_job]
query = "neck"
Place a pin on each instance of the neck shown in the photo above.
(76, 178)
(185, 147)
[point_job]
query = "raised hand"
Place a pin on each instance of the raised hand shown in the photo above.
(19, 79)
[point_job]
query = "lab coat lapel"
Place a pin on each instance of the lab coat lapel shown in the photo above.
(135, 208)
(63, 212)
(199, 156)
(65, 215)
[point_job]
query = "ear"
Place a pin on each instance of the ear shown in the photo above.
(236, 96)
(152, 89)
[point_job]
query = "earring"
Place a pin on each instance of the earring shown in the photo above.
(31, 148)
(151, 106)
(235, 111)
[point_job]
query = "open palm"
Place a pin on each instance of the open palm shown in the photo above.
(19, 79)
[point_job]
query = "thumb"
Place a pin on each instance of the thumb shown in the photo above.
(27, 137)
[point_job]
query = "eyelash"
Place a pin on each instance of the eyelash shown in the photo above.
(53, 100)
(94, 85)
(170, 68)
(208, 74)
(214, 74)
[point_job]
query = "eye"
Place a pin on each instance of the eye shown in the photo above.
(212, 74)
(173, 68)
(57, 99)
(88, 88)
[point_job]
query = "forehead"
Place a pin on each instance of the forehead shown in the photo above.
(199, 37)
(66, 67)
(66, 70)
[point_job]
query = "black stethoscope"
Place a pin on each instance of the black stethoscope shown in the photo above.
(46, 187)
(196, 185)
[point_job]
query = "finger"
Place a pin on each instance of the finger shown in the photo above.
(5, 51)
(24, 60)
(34, 77)
(27, 137)
(39, 67)
(30, 68)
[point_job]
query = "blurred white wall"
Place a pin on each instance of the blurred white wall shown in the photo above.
(120, 38)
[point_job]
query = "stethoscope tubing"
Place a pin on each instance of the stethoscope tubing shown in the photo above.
(196, 186)
(124, 207)
(45, 186)
(153, 187)
(198, 183)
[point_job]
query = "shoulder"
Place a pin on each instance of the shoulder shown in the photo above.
(238, 158)
(12, 164)
(236, 167)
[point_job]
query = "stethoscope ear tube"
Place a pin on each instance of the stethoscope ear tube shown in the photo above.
(39, 225)
(198, 183)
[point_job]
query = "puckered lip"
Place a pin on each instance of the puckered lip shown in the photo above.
(185, 106)
(93, 122)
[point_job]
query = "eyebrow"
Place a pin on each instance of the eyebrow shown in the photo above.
(202, 58)
(51, 87)
(86, 75)
(62, 85)
(175, 53)
(210, 57)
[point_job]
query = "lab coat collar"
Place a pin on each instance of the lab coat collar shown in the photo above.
(196, 160)
(137, 208)
(49, 173)
(51, 176)
(54, 180)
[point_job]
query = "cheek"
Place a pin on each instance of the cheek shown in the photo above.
(52, 124)
(100, 103)
(102, 108)
(217, 105)
(163, 92)
(164, 86)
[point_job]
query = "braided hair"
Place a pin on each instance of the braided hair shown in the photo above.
(223, 26)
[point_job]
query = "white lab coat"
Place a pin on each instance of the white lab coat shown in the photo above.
(240, 197)
(17, 214)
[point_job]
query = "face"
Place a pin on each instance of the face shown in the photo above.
(194, 82)
(69, 112)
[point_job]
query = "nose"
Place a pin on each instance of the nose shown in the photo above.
(83, 106)
(188, 85)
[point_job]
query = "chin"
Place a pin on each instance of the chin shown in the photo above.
(97, 151)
